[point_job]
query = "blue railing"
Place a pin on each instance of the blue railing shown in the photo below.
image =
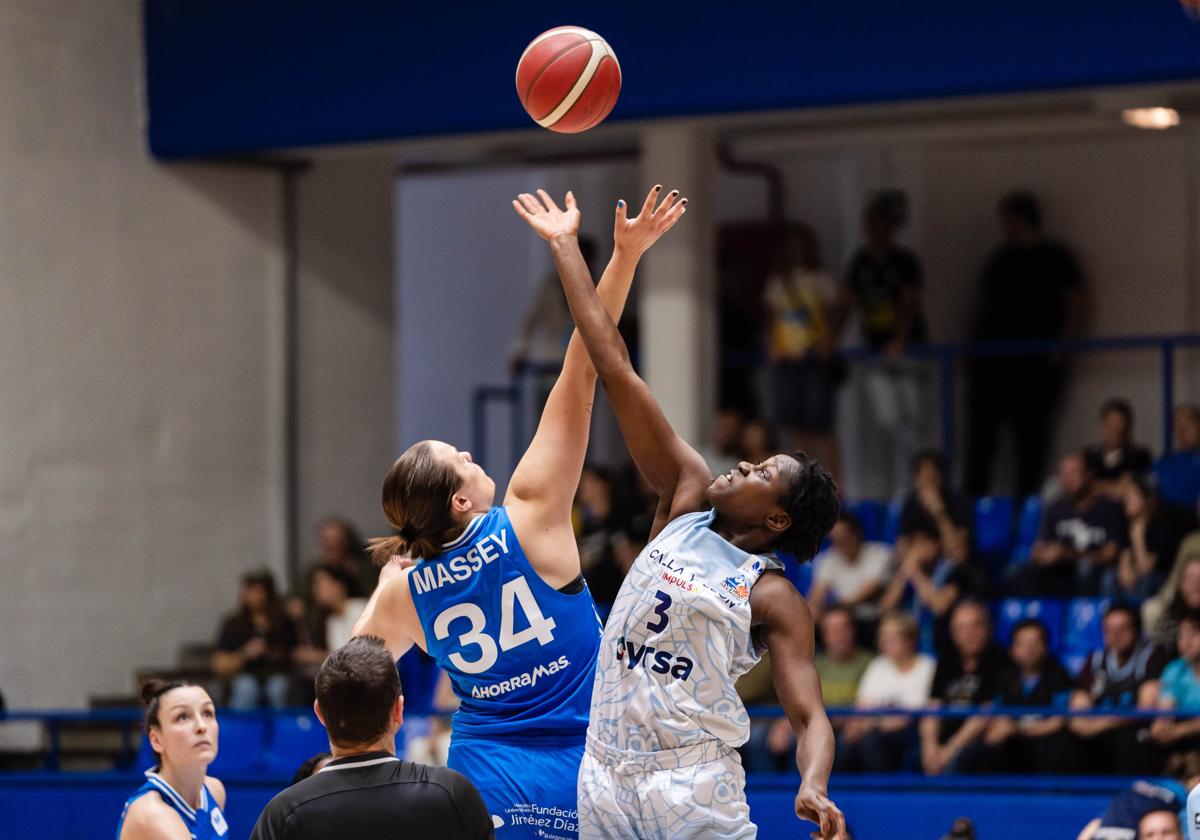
(947, 356)
(131, 719)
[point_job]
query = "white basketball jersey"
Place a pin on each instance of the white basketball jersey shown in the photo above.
(676, 640)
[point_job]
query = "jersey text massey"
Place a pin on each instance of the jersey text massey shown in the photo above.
(426, 578)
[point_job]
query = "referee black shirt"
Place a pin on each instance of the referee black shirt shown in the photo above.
(375, 795)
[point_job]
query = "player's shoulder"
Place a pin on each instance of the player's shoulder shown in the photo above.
(773, 595)
(217, 788)
(149, 816)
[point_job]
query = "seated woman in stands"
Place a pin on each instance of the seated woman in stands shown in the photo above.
(179, 800)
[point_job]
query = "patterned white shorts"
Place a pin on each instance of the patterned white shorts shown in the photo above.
(663, 799)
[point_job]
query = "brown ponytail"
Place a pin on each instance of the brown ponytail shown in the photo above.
(416, 500)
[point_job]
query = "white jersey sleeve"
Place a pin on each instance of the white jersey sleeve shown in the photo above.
(1193, 813)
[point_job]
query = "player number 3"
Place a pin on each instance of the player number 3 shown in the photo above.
(515, 592)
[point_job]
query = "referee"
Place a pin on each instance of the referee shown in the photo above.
(366, 792)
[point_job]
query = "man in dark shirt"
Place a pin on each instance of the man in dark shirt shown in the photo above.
(1031, 743)
(883, 286)
(973, 674)
(1030, 288)
(1080, 538)
(1116, 456)
(366, 792)
(1123, 675)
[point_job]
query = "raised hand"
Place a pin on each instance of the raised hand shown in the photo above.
(545, 217)
(814, 806)
(634, 236)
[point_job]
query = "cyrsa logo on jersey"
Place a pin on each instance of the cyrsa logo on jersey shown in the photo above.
(660, 662)
(529, 678)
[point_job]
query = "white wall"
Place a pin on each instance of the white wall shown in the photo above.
(467, 267)
(138, 308)
(345, 337)
(1121, 201)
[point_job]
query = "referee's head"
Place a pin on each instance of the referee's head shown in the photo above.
(358, 697)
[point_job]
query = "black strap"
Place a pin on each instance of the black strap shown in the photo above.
(574, 587)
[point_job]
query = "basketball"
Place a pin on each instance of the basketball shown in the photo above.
(568, 79)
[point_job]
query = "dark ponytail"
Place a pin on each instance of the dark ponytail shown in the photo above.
(416, 500)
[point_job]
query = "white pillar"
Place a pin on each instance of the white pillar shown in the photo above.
(677, 303)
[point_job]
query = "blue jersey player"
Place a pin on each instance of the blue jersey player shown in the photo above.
(496, 595)
(179, 800)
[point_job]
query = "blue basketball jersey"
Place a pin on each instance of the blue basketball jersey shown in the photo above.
(203, 823)
(520, 654)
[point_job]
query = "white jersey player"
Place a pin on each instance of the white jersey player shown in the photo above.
(696, 609)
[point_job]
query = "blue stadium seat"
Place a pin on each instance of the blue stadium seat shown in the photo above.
(294, 739)
(871, 514)
(1012, 611)
(1031, 520)
(146, 757)
(1028, 524)
(241, 742)
(993, 526)
(891, 522)
(1083, 631)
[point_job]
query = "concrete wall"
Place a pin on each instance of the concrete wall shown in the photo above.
(139, 306)
(345, 331)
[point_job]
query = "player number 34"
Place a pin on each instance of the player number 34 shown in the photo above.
(514, 593)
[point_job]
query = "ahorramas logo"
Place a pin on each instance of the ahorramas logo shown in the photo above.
(529, 678)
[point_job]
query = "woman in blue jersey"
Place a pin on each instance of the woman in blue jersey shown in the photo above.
(497, 596)
(179, 800)
(700, 604)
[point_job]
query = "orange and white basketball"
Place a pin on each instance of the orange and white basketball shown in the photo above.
(568, 79)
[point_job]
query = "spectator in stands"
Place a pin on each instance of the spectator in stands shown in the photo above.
(1081, 536)
(840, 665)
(841, 662)
(722, 454)
(931, 502)
(1032, 743)
(800, 300)
(1124, 813)
(1156, 530)
(366, 791)
(1180, 689)
(1179, 596)
(757, 443)
(883, 286)
(974, 673)
(342, 546)
(929, 582)
(1122, 676)
(1162, 824)
(1116, 456)
(1178, 472)
(1030, 289)
(852, 574)
(336, 596)
(900, 677)
(598, 526)
(254, 648)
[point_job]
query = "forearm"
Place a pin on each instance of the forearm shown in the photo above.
(593, 323)
(815, 745)
(613, 292)
(227, 663)
(968, 733)
(1041, 728)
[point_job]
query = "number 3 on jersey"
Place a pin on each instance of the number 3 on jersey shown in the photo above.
(514, 592)
(664, 604)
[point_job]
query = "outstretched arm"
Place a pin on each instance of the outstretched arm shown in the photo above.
(544, 482)
(677, 473)
(776, 605)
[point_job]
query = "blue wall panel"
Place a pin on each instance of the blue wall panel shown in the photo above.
(82, 807)
(236, 76)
